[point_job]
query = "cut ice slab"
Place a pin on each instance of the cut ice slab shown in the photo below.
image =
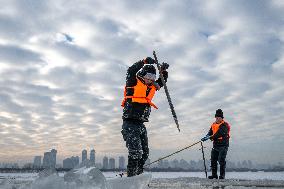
(136, 182)
(92, 176)
(86, 177)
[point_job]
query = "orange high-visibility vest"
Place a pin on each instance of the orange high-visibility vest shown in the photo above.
(139, 95)
(215, 126)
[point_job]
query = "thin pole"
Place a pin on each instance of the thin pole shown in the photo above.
(205, 169)
(166, 91)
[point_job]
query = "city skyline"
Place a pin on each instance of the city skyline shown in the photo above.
(163, 164)
(120, 162)
(194, 154)
(63, 70)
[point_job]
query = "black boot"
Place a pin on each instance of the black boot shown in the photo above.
(222, 171)
(140, 168)
(214, 171)
(132, 167)
(213, 177)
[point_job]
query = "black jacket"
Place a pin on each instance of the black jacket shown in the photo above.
(223, 132)
(133, 110)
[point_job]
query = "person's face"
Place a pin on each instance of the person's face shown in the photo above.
(148, 81)
(218, 119)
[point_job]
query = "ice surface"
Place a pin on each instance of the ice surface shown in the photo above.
(260, 180)
(260, 175)
(137, 182)
(83, 178)
(214, 184)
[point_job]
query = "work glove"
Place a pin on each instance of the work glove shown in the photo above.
(157, 86)
(149, 60)
(164, 66)
(205, 138)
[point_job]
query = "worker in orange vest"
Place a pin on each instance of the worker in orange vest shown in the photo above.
(140, 88)
(219, 133)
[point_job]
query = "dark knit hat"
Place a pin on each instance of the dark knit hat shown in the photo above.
(149, 60)
(219, 113)
(148, 68)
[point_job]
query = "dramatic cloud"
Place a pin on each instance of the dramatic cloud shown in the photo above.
(63, 66)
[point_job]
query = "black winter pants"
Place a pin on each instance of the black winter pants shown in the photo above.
(135, 135)
(218, 154)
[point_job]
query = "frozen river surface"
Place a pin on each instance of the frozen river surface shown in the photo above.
(172, 180)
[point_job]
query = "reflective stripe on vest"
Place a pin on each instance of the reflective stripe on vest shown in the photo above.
(215, 126)
(139, 95)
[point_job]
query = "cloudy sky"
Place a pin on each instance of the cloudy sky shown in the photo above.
(63, 66)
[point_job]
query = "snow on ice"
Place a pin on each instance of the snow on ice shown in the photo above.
(83, 178)
(92, 178)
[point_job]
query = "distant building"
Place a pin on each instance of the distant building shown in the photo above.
(200, 164)
(49, 159)
(105, 163)
(37, 162)
(183, 164)
(28, 166)
(46, 160)
(230, 165)
(99, 165)
(84, 156)
(160, 164)
(70, 163)
(9, 165)
(53, 157)
(148, 161)
(244, 164)
(250, 164)
(121, 162)
(111, 163)
(92, 157)
(239, 165)
(175, 163)
(166, 164)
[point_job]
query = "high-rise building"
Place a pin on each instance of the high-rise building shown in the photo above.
(46, 162)
(84, 156)
(67, 163)
(37, 162)
(53, 157)
(49, 159)
(121, 162)
(70, 163)
(111, 163)
(92, 157)
(105, 162)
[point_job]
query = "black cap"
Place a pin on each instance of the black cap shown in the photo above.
(149, 60)
(148, 68)
(219, 113)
